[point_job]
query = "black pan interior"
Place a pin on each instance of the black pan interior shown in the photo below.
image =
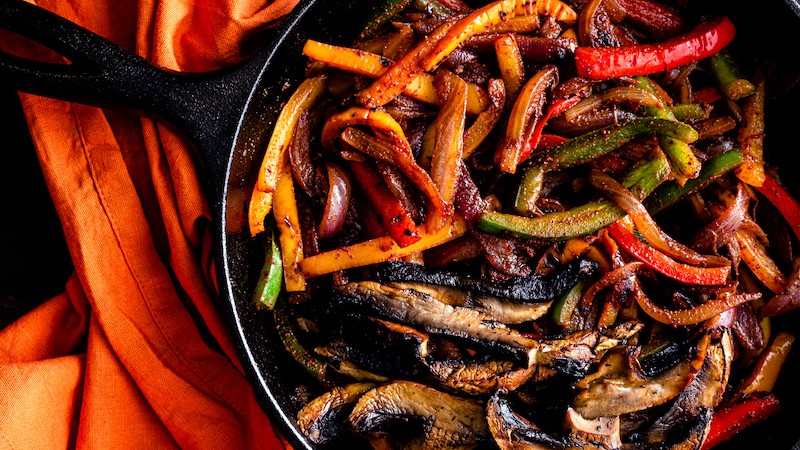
(279, 383)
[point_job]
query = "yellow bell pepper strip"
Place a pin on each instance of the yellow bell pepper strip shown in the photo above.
(769, 364)
(372, 65)
(783, 201)
(391, 83)
(729, 77)
(446, 161)
(581, 220)
(381, 122)
(288, 222)
(379, 250)
(271, 278)
(509, 61)
(553, 8)
(729, 421)
(485, 122)
(706, 276)
(751, 138)
(271, 166)
(570, 34)
(397, 157)
(394, 217)
(518, 25)
(478, 21)
(259, 207)
(601, 63)
(589, 146)
(523, 119)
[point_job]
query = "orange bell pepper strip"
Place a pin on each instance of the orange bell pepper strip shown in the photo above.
(476, 22)
(380, 249)
(288, 222)
(373, 65)
(391, 83)
(394, 217)
(751, 138)
(271, 166)
(707, 276)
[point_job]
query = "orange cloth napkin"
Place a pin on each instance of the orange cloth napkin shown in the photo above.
(134, 354)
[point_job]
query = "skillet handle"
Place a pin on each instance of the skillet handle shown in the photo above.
(206, 106)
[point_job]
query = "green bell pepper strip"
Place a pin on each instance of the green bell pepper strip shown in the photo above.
(529, 189)
(590, 217)
(312, 365)
(689, 111)
(432, 7)
(565, 305)
(589, 146)
(581, 220)
(271, 278)
(684, 164)
(729, 77)
(715, 167)
(384, 12)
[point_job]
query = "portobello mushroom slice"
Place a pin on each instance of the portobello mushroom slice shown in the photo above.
(601, 433)
(480, 377)
(616, 390)
(572, 353)
(495, 308)
(529, 289)
(324, 419)
(421, 310)
(422, 417)
(381, 346)
(686, 424)
(511, 431)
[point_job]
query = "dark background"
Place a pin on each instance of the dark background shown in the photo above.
(34, 263)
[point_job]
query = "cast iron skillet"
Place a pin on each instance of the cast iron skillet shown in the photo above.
(228, 115)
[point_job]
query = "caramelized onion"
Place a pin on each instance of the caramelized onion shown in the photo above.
(623, 94)
(720, 231)
(338, 201)
(787, 300)
(610, 279)
(647, 226)
(690, 316)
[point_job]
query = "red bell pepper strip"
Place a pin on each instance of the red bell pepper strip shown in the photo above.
(729, 421)
(613, 62)
(706, 276)
(707, 95)
(782, 200)
(558, 107)
(548, 141)
(394, 218)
